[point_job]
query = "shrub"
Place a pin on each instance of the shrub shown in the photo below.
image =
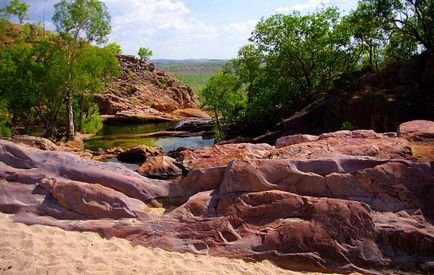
(346, 125)
(92, 124)
(5, 130)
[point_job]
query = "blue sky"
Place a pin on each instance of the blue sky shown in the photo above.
(180, 29)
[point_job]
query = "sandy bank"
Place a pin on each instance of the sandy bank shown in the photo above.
(40, 249)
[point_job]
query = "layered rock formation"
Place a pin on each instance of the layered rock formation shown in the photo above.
(143, 92)
(344, 201)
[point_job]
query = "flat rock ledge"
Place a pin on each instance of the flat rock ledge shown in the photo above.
(347, 201)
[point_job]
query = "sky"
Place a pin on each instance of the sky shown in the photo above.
(183, 29)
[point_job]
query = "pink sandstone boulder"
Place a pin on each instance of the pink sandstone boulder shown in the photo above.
(417, 129)
(294, 139)
(219, 155)
(159, 166)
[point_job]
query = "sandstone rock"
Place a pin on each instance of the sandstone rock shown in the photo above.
(37, 142)
(93, 200)
(75, 144)
(144, 92)
(417, 129)
(159, 166)
(191, 112)
(294, 139)
(138, 154)
(194, 125)
(219, 155)
(331, 205)
(343, 143)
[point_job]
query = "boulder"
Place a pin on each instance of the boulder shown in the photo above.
(417, 129)
(138, 154)
(37, 142)
(160, 167)
(93, 200)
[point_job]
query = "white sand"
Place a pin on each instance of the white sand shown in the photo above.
(40, 249)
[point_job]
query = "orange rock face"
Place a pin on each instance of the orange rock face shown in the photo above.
(144, 92)
(352, 201)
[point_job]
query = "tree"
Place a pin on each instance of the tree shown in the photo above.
(18, 8)
(305, 52)
(222, 96)
(145, 54)
(367, 30)
(79, 22)
(413, 18)
(34, 79)
(247, 66)
(114, 48)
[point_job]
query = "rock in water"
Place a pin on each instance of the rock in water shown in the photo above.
(138, 154)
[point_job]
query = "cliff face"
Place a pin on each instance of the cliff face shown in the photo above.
(145, 92)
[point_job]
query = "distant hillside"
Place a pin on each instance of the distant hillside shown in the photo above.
(193, 72)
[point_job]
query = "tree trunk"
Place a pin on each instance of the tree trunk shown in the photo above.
(70, 132)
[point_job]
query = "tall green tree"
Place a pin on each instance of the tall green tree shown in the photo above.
(247, 66)
(413, 18)
(368, 32)
(79, 22)
(17, 8)
(223, 97)
(308, 52)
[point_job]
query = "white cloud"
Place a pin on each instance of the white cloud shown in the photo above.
(166, 26)
(313, 4)
(307, 5)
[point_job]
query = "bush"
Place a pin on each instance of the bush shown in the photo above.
(5, 130)
(92, 124)
(348, 126)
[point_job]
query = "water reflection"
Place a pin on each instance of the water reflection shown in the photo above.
(125, 136)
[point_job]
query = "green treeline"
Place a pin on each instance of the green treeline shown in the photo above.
(293, 60)
(48, 79)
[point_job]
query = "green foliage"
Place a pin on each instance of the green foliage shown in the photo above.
(17, 8)
(348, 126)
(224, 98)
(411, 18)
(80, 22)
(82, 19)
(145, 54)
(294, 59)
(5, 130)
(92, 124)
(370, 37)
(114, 48)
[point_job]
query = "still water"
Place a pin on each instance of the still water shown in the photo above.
(125, 136)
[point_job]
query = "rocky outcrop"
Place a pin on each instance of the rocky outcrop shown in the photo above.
(144, 93)
(350, 201)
